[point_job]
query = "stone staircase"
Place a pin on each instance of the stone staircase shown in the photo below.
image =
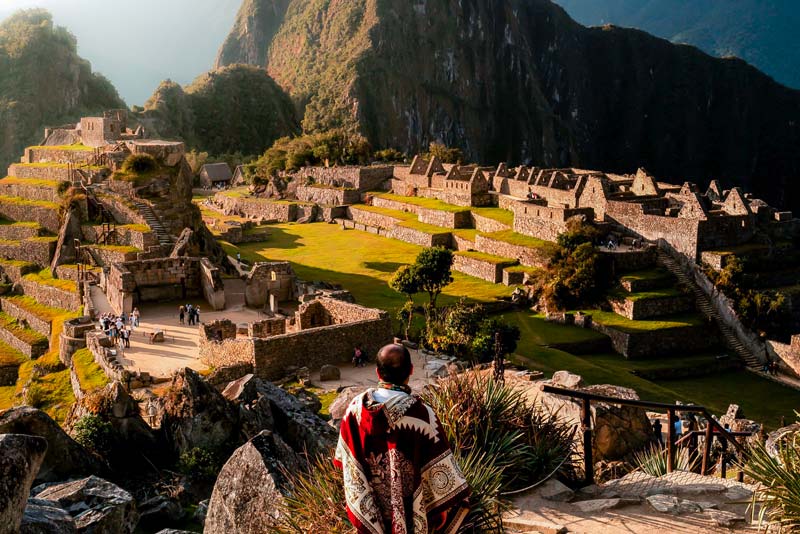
(709, 311)
(154, 223)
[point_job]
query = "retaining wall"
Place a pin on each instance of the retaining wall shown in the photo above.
(418, 237)
(487, 225)
(530, 257)
(51, 296)
(39, 172)
(485, 270)
(445, 219)
(25, 211)
(660, 343)
(39, 252)
(256, 208)
(327, 196)
(34, 321)
(29, 191)
(643, 309)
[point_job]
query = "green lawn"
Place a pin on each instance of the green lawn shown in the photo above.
(654, 294)
(90, 375)
(361, 262)
(498, 214)
(655, 274)
(509, 236)
(488, 258)
(7, 397)
(423, 202)
(624, 324)
(760, 399)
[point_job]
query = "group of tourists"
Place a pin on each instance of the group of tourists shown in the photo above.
(119, 327)
(189, 314)
(770, 367)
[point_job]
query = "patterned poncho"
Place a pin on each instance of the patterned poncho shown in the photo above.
(400, 476)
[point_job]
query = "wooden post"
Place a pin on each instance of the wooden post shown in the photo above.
(723, 464)
(670, 440)
(586, 424)
(707, 449)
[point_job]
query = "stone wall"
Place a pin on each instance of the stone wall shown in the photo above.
(487, 225)
(545, 222)
(211, 284)
(52, 296)
(394, 205)
(32, 351)
(218, 330)
(34, 321)
(319, 346)
(418, 237)
(485, 270)
(9, 375)
(15, 272)
(327, 196)
(630, 260)
(58, 173)
(73, 338)
(660, 343)
(370, 218)
(17, 232)
(38, 251)
(361, 178)
(256, 208)
(30, 191)
(530, 257)
(446, 219)
(122, 212)
(99, 344)
(269, 278)
(642, 309)
(162, 279)
(55, 155)
(107, 256)
(27, 211)
(462, 243)
(124, 236)
(273, 326)
(227, 353)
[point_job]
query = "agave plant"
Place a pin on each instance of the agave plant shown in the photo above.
(778, 476)
(653, 460)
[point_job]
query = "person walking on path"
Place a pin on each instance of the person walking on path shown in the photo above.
(392, 450)
(657, 432)
(181, 314)
(135, 318)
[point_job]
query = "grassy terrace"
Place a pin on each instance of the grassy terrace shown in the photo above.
(361, 262)
(407, 220)
(466, 233)
(143, 228)
(655, 275)
(122, 249)
(489, 258)
(327, 186)
(28, 335)
(45, 277)
(34, 307)
(90, 375)
(714, 392)
(47, 165)
(748, 248)
(523, 269)
(36, 182)
(19, 264)
(43, 239)
(629, 326)
(509, 236)
(422, 202)
(10, 356)
(498, 214)
(655, 294)
(25, 202)
(23, 224)
(77, 147)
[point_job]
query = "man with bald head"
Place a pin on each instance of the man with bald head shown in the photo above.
(400, 475)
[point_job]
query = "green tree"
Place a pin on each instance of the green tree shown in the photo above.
(483, 345)
(434, 271)
(406, 281)
(445, 153)
(95, 434)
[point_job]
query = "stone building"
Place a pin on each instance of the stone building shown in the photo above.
(215, 175)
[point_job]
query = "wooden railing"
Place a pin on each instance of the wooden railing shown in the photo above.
(713, 428)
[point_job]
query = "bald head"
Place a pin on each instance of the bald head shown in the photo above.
(394, 364)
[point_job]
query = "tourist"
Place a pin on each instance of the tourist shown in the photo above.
(388, 462)
(677, 424)
(657, 432)
(135, 317)
(181, 313)
(358, 357)
(120, 324)
(189, 314)
(197, 315)
(126, 338)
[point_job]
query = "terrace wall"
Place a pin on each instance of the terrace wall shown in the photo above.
(52, 296)
(370, 218)
(55, 155)
(786, 354)
(446, 219)
(361, 178)
(40, 172)
(34, 321)
(485, 270)
(530, 257)
(17, 232)
(328, 196)
(659, 343)
(23, 211)
(35, 251)
(418, 237)
(394, 205)
(30, 191)
(487, 225)
(642, 309)
(16, 272)
(257, 208)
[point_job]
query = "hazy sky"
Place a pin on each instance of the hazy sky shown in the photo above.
(139, 43)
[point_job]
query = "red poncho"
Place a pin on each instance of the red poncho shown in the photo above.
(400, 476)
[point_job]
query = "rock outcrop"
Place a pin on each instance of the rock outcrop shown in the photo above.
(44, 517)
(20, 458)
(65, 457)
(96, 505)
(197, 415)
(247, 495)
(560, 94)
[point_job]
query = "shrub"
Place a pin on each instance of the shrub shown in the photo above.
(139, 164)
(389, 155)
(445, 153)
(778, 476)
(95, 434)
(653, 460)
(199, 464)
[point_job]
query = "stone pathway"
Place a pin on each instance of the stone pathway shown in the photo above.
(679, 503)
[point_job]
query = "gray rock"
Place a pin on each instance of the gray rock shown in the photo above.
(247, 495)
(705, 505)
(669, 504)
(700, 489)
(98, 506)
(159, 511)
(201, 511)
(329, 372)
(565, 379)
(20, 458)
(339, 406)
(723, 519)
(738, 493)
(65, 457)
(173, 531)
(44, 517)
(599, 505)
(553, 490)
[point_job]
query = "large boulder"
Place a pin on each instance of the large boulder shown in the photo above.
(44, 517)
(20, 458)
(247, 495)
(65, 457)
(158, 511)
(197, 415)
(618, 430)
(255, 409)
(339, 405)
(96, 505)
